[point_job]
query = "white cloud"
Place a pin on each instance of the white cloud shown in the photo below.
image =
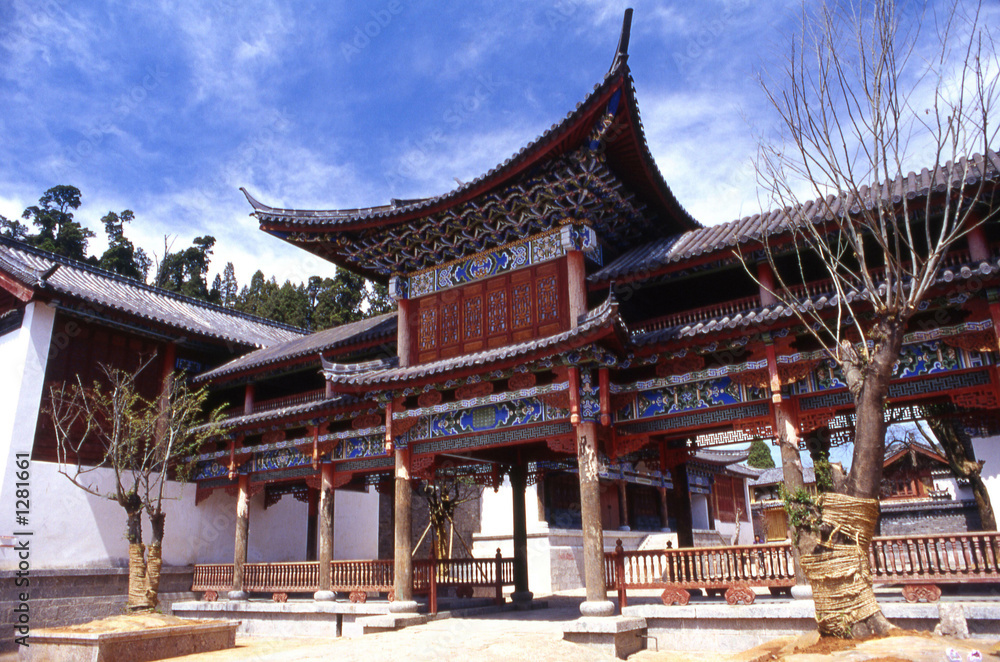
(702, 145)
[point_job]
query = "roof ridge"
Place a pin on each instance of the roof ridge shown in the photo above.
(83, 266)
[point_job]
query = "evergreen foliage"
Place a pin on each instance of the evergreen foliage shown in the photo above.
(760, 455)
(58, 231)
(317, 304)
(122, 257)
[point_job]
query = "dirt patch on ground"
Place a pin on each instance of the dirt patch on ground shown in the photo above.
(124, 623)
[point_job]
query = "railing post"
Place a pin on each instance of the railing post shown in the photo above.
(498, 577)
(620, 575)
(433, 579)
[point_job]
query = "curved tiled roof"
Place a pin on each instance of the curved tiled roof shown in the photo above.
(100, 290)
(705, 241)
(554, 137)
(622, 144)
(372, 328)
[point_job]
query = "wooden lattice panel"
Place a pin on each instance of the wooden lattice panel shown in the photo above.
(508, 308)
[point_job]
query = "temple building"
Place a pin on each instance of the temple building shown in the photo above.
(564, 323)
(569, 338)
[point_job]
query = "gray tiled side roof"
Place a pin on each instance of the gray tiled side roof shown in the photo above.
(679, 248)
(776, 475)
(381, 326)
(108, 292)
(778, 311)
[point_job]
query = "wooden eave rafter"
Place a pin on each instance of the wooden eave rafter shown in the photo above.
(291, 420)
(17, 289)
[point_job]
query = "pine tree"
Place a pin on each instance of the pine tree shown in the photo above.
(58, 232)
(230, 288)
(760, 455)
(122, 256)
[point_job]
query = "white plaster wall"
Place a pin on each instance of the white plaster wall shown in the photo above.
(699, 511)
(277, 534)
(959, 492)
(355, 528)
(987, 450)
(75, 529)
(497, 510)
(23, 357)
(728, 529)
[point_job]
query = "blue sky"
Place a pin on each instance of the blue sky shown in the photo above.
(167, 107)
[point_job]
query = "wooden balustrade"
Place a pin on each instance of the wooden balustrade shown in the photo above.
(360, 577)
(966, 557)
(919, 563)
(277, 403)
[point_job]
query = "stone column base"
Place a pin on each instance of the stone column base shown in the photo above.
(595, 609)
(522, 599)
(403, 607)
(802, 592)
(238, 595)
(324, 596)
(620, 636)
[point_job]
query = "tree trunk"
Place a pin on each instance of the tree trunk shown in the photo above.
(838, 569)
(137, 580)
(155, 558)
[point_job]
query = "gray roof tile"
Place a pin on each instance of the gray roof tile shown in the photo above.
(106, 291)
(381, 326)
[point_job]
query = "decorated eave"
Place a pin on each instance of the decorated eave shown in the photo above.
(306, 350)
(593, 167)
(726, 461)
(747, 234)
(896, 451)
(310, 413)
(655, 333)
(601, 324)
(91, 293)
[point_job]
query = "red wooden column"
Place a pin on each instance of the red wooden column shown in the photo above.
(576, 282)
(248, 395)
(787, 430)
(325, 556)
(242, 537)
(404, 321)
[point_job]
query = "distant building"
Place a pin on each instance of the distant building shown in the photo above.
(919, 495)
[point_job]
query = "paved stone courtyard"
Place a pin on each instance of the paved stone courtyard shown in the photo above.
(536, 636)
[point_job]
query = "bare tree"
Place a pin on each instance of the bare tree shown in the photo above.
(111, 427)
(861, 97)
